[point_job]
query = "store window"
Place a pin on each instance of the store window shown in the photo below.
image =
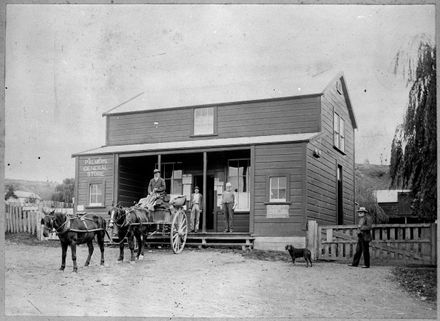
(172, 174)
(239, 176)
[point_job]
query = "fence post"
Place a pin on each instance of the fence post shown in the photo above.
(38, 226)
(312, 238)
(14, 219)
(434, 243)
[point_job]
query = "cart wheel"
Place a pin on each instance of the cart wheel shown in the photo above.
(179, 231)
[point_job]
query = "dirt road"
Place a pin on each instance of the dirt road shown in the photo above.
(199, 283)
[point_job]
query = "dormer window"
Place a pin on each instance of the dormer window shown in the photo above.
(204, 121)
(339, 132)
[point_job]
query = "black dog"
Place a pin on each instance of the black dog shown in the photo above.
(305, 253)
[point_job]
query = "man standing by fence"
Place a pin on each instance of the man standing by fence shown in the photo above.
(364, 238)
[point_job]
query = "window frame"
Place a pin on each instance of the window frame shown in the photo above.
(278, 202)
(97, 204)
(248, 208)
(214, 125)
(169, 182)
(338, 134)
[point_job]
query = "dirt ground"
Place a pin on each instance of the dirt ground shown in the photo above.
(199, 283)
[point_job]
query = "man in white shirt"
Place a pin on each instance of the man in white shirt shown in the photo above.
(196, 208)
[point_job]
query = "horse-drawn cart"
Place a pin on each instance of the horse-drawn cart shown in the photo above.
(138, 221)
(172, 222)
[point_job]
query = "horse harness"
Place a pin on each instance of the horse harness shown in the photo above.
(67, 228)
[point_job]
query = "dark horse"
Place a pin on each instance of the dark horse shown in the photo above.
(75, 230)
(130, 223)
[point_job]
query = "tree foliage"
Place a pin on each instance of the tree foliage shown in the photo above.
(64, 192)
(413, 161)
(10, 192)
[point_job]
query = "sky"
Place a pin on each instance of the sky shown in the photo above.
(67, 64)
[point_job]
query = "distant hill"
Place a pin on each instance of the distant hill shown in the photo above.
(372, 177)
(43, 189)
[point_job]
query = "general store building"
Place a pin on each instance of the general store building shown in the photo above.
(287, 149)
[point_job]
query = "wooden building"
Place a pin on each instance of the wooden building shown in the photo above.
(288, 152)
(397, 206)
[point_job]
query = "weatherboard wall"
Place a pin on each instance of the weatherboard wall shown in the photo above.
(280, 160)
(95, 169)
(322, 202)
(269, 117)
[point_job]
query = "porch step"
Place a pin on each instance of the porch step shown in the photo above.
(243, 240)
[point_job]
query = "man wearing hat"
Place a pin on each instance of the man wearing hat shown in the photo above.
(364, 238)
(196, 208)
(156, 191)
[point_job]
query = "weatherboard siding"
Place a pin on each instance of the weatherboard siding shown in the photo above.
(273, 160)
(95, 169)
(322, 171)
(283, 116)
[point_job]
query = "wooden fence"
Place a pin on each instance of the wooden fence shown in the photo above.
(27, 219)
(409, 243)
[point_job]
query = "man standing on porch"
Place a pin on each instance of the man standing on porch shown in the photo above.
(229, 205)
(196, 208)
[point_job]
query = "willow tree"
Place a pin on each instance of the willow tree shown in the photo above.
(413, 163)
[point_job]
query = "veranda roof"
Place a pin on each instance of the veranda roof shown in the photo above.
(199, 144)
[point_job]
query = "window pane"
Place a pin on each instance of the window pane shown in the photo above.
(336, 123)
(273, 194)
(238, 176)
(282, 182)
(282, 194)
(204, 121)
(278, 189)
(341, 127)
(95, 194)
(273, 182)
(342, 143)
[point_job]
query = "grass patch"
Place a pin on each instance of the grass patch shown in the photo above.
(266, 255)
(29, 239)
(420, 281)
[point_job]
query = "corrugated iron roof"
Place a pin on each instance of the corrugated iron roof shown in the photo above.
(297, 85)
(389, 195)
(202, 143)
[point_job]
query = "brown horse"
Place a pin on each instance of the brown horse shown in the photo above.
(131, 223)
(75, 230)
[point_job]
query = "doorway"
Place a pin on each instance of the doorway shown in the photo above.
(198, 181)
(340, 197)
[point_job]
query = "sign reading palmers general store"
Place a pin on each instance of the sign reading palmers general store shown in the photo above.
(95, 167)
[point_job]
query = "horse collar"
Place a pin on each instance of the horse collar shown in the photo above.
(67, 223)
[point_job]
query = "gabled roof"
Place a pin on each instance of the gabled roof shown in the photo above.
(298, 85)
(23, 194)
(202, 143)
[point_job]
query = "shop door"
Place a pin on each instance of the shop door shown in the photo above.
(198, 181)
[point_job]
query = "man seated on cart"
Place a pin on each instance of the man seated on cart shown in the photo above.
(156, 192)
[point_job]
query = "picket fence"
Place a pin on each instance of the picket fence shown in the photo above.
(27, 219)
(408, 243)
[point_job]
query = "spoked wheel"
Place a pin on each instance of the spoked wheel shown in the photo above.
(179, 231)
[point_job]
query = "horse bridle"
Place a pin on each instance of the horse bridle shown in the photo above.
(123, 216)
(52, 226)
